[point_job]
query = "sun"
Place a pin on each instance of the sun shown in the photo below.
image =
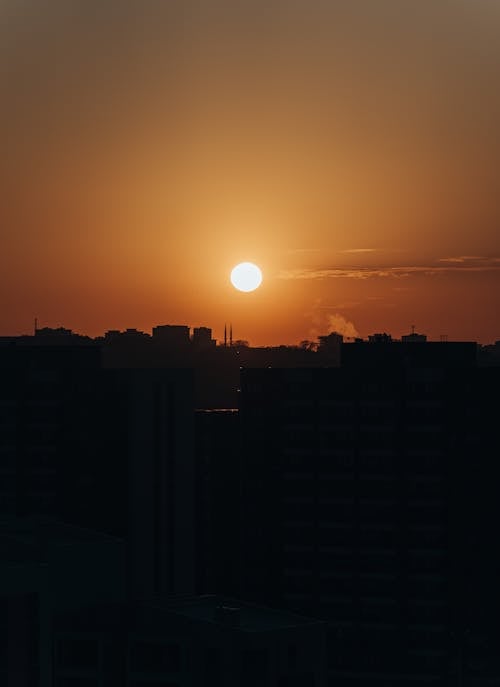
(246, 276)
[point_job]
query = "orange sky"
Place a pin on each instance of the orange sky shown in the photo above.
(350, 149)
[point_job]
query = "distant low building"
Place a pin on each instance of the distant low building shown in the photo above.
(202, 338)
(57, 336)
(414, 338)
(49, 331)
(329, 348)
(409, 353)
(380, 338)
(171, 335)
(129, 333)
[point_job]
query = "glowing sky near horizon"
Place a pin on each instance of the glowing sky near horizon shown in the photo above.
(351, 149)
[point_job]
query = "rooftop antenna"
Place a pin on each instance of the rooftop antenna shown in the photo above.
(230, 335)
(225, 334)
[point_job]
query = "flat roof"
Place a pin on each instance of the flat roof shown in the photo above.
(251, 617)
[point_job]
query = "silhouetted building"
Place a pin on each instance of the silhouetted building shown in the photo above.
(44, 397)
(434, 354)
(489, 356)
(414, 338)
(328, 341)
(202, 338)
(380, 338)
(217, 501)
(49, 331)
(106, 449)
(127, 336)
(367, 500)
(136, 477)
(216, 368)
(48, 568)
(56, 336)
(205, 641)
(172, 335)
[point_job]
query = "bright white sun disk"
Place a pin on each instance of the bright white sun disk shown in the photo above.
(246, 276)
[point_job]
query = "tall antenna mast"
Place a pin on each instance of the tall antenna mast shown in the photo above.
(225, 334)
(230, 334)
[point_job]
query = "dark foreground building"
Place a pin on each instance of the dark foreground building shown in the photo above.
(369, 500)
(48, 568)
(204, 641)
(107, 449)
(217, 500)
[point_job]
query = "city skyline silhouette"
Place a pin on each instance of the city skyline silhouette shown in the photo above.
(249, 343)
(211, 515)
(349, 151)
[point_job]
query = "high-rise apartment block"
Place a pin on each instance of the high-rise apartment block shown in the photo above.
(368, 500)
(110, 449)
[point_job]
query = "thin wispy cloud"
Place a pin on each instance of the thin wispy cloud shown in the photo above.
(359, 250)
(462, 258)
(344, 305)
(396, 271)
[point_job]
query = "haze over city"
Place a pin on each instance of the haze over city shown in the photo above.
(351, 150)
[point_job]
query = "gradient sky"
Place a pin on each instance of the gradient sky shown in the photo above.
(351, 149)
